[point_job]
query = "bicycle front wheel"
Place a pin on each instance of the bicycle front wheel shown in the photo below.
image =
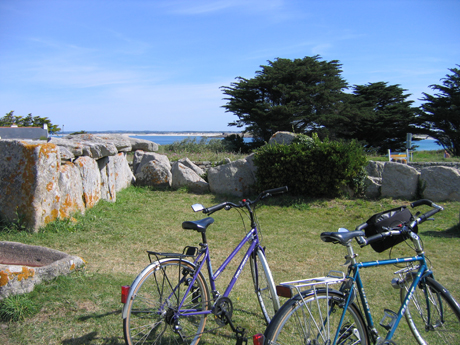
(432, 314)
(264, 285)
(153, 315)
(313, 318)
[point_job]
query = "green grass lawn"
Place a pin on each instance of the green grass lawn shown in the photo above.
(85, 308)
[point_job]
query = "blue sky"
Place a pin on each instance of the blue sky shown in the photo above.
(157, 65)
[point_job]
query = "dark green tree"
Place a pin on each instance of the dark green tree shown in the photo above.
(299, 95)
(440, 114)
(28, 121)
(378, 115)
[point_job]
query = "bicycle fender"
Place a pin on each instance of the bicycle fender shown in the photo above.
(141, 275)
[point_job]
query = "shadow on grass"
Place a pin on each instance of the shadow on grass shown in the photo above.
(449, 233)
(91, 338)
(98, 316)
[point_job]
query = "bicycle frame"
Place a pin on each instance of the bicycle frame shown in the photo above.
(204, 257)
(354, 275)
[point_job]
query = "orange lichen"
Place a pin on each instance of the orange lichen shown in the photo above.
(52, 217)
(49, 186)
(25, 273)
(4, 278)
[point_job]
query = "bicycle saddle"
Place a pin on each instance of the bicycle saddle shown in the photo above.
(340, 237)
(198, 225)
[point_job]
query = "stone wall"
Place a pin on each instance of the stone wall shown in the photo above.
(42, 181)
(433, 181)
(422, 165)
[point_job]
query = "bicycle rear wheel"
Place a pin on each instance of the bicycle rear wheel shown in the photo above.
(152, 316)
(313, 318)
(264, 285)
(432, 314)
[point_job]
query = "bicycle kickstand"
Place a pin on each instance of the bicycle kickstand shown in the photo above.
(240, 332)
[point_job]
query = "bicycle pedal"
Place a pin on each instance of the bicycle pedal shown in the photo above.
(388, 314)
(241, 336)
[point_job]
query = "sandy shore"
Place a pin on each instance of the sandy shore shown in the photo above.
(173, 134)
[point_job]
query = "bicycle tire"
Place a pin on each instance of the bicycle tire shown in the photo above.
(303, 320)
(151, 317)
(444, 324)
(264, 285)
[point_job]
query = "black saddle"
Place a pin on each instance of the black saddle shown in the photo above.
(198, 225)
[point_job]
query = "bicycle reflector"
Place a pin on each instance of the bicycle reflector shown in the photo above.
(124, 293)
(283, 291)
(258, 339)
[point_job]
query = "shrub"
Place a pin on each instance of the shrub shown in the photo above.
(312, 167)
(193, 145)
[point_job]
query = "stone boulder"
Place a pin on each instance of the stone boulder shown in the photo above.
(142, 144)
(236, 178)
(91, 180)
(399, 181)
(375, 169)
(124, 176)
(95, 149)
(29, 182)
(154, 173)
(372, 187)
(189, 164)
(183, 176)
(71, 191)
(142, 158)
(107, 171)
(281, 137)
(65, 154)
(120, 141)
(440, 183)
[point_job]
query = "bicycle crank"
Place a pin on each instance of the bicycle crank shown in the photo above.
(223, 311)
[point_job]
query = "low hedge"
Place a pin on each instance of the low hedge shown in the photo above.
(312, 167)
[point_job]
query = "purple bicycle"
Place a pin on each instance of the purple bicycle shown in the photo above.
(170, 300)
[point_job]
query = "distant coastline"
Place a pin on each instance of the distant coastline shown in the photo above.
(179, 134)
(214, 134)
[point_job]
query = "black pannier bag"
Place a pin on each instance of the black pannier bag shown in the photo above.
(391, 219)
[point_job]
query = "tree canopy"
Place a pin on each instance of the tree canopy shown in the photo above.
(378, 115)
(308, 96)
(28, 121)
(287, 95)
(440, 114)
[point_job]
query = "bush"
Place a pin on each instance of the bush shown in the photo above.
(312, 167)
(195, 146)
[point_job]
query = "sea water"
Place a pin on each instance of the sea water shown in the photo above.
(423, 145)
(169, 139)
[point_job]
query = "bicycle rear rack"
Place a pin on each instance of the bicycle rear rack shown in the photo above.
(289, 289)
(188, 252)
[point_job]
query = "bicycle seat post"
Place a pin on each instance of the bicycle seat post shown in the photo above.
(351, 254)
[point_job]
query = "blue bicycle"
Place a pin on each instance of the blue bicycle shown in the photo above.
(316, 313)
(169, 301)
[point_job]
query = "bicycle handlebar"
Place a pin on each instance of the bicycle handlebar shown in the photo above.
(274, 191)
(381, 236)
(245, 202)
(425, 216)
(407, 228)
